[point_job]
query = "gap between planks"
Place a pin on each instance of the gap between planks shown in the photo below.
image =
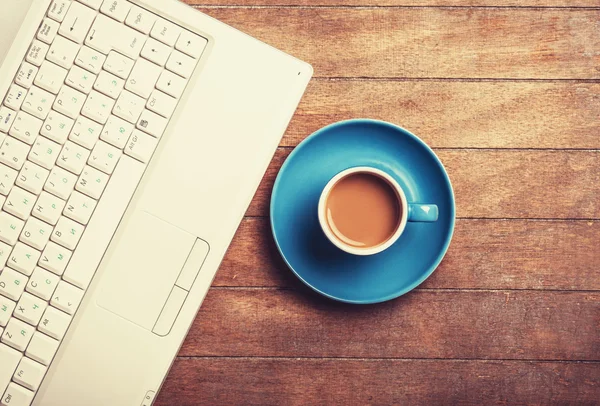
(363, 7)
(376, 359)
(428, 290)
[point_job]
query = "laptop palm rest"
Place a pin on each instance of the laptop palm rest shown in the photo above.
(141, 276)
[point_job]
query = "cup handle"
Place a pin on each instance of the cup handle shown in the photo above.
(422, 212)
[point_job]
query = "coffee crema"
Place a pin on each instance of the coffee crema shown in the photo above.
(363, 210)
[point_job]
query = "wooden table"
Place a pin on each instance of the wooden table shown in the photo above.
(507, 92)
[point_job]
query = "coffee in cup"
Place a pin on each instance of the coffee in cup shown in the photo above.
(363, 210)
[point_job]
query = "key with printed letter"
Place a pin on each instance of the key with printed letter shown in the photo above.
(85, 132)
(55, 258)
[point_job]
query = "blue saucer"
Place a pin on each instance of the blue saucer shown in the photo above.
(302, 243)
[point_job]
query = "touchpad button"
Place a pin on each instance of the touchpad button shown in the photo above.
(143, 268)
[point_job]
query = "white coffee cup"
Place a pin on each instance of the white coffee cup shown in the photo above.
(409, 211)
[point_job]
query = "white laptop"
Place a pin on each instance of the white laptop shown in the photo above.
(134, 134)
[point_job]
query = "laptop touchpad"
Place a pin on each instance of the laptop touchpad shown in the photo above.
(143, 268)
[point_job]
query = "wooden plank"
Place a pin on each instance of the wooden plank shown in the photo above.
(485, 254)
(422, 324)
(263, 382)
(430, 42)
(460, 114)
(503, 183)
(402, 3)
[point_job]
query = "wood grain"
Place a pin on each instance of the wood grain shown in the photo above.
(430, 42)
(484, 254)
(378, 382)
(460, 114)
(404, 3)
(422, 324)
(503, 183)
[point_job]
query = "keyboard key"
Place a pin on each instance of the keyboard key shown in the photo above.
(98, 107)
(55, 258)
(165, 31)
(17, 396)
(26, 75)
(29, 374)
(48, 30)
(12, 283)
(191, 44)
(17, 334)
(48, 207)
(26, 127)
(104, 222)
(13, 152)
(140, 19)
(141, 146)
(23, 258)
(107, 34)
(69, 102)
(118, 64)
(152, 123)
(67, 233)
(37, 52)
(85, 132)
(19, 203)
(36, 233)
(9, 359)
(91, 182)
(63, 52)
(7, 117)
(129, 106)
(55, 322)
(109, 84)
(6, 309)
(30, 309)
(15, 97)
(77, 22)
(116, 131)
(90, 60)
(95, 4)
(79, 207)
(143, 78)
(10, 228)
(66, 298)
(104, 157)
(156, 52)
(38, 103)
(161, 103)
(80, 79)
(117, 9)
(50, 77)
(57, 127)
(42, 348)
(73, 157)
(60, 183)
(181, 64)
(42, 283)
(171, 84)
(32, 177)
(44, 152)
(7, 179)
(59, 9)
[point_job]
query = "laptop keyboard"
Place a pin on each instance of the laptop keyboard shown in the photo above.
(78, 126)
